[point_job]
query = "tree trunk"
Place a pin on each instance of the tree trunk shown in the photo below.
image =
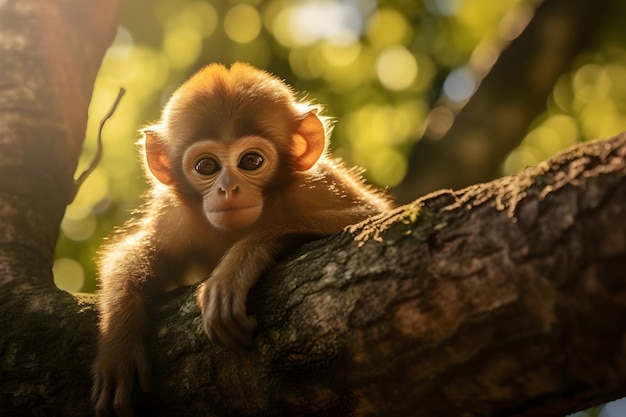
(504, 298)
(50, 51)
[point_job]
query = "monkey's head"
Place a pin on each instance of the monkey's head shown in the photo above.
(226, 137)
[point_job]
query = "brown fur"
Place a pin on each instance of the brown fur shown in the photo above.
(176, 241)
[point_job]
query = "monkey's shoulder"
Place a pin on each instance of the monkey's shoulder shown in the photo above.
(348, 188)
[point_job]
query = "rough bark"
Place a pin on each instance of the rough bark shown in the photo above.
(504, 298)
(511, 95)
(50, 51)
(501, 299)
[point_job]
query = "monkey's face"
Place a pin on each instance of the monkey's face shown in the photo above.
(231, 177)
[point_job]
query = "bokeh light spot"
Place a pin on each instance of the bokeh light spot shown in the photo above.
(182, 45)
(602, 119)
(242, 23)
(94, 190)
(543, 139)
(199, 16)
(68, 274)
(388, 27)
(339, 55)
(460, 84)
(591, 83)
(122, 45)
(520, 158)
(388, 168)
(396, 68)
(81, 229)
(566, 130)
(562, 93)
(309, 22)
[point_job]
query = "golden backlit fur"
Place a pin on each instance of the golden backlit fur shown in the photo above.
(240, 175)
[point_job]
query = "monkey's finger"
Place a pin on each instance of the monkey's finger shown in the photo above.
(243, 327)
(211, 322)
(237, 323)
(218, 322)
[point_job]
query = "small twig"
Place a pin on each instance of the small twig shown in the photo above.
(96, 158)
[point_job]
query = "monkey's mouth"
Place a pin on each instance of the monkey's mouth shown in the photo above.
(232, 209)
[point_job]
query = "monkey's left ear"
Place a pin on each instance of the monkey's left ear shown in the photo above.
(156, 156)
(309, 142)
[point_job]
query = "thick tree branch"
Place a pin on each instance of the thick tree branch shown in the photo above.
(504, 298)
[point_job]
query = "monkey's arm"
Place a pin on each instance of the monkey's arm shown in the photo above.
(121, 351)
(222, 297)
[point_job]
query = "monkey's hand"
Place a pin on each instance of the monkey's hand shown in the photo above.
(114, 376)
(222, 302)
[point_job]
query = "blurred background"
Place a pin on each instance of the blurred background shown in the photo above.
(427, 94)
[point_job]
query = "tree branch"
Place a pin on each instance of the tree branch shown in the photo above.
(505, 298)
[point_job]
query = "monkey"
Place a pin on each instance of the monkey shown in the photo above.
(239, 174)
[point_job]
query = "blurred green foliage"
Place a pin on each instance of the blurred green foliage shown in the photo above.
(377, 67)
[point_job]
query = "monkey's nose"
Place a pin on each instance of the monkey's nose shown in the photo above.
(228, 191)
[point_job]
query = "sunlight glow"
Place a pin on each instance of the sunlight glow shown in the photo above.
(375, 132)
(182, 45)
(553, 135)
(94, 190)
(312, 21)
(396, 68)
(520, 158)
(68, 274)
(591, 83)
(340, 55)
(388, 27)
(389, 167)
(80, 229)
(122, 45)
(242, 23)
(199, 16)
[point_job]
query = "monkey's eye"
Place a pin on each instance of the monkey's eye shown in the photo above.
(207, 166)
(251, 161)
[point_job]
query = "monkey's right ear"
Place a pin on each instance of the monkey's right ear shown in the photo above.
(156, 156)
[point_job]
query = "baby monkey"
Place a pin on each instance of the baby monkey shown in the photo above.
(239, 175)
